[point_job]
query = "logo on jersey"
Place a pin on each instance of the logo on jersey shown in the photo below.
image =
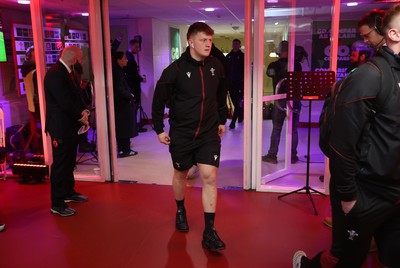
(215, 157)
(212, 70)
(178, 165)
(188, 74)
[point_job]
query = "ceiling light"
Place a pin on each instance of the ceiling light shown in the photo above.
(85, 14)
(209, 9)
(276, 23)
(352, 4)
(272, 1)
(24, 2)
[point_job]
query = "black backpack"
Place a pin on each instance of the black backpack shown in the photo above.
(328, 110)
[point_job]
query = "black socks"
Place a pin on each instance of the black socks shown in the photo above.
(180, 204)
(209, 221)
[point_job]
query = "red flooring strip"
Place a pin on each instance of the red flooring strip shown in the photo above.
(132, 225)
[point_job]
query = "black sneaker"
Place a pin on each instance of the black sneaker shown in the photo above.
(142, 129)
(77, 198)
(270, 159)
(211, 240)
(294, 159)
(63, 211)
(181, 223)
(299, 258)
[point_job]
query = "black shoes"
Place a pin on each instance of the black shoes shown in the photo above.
(130, 153)
(270, 159)
(63, 211)
(211, 240)
(142, 129)
(294, 159)
(77, 198)
(181, 223)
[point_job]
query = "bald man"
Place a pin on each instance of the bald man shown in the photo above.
(65, 116)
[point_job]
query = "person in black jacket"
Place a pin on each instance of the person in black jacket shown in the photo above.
(134, 78)
(65, 116)
(193, 87)
(365, 161)
(125, 114)
(236, 80)
(277, 70)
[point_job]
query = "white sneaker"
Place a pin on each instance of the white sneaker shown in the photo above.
(2, 226)
(297, 258)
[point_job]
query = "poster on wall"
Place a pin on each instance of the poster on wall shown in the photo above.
(22, 37)
(174, 44)
(348, 34)
(3, 54)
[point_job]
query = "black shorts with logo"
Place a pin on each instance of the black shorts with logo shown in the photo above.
(187, 152)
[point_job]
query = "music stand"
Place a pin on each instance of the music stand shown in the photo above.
(310, 85)
(143, 117)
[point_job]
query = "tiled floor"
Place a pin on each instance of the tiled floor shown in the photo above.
(153, 164)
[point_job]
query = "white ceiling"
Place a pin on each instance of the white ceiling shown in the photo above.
(228, 17)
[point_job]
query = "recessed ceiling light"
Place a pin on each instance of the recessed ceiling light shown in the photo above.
(352, 4)
(24, 2)
(209, 9)
(85, 14)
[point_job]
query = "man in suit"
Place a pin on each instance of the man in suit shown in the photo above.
(134, 78)
(65, 116)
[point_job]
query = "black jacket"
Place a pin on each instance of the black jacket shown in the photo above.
(63, 103)
(125, 114)
(197, 96)
(365, 138)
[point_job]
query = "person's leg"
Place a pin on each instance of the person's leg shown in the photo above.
(236, 103)
(60, 175)
(278, 117)
(179, 188)
(70, 162)
(295, 136)
(387, 238)
(208, 175)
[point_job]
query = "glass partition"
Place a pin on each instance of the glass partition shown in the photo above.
(297, 38)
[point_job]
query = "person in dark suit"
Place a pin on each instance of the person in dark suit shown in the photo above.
(236, 80)
(134, 78)
(125, 113)
(65, 116)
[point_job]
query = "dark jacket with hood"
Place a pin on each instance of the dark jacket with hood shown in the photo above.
(365, 138)
(196, 95)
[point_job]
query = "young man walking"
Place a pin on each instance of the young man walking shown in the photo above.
(193, 88)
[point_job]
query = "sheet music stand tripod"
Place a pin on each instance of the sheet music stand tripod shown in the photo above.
(309, 86)
(143, 117)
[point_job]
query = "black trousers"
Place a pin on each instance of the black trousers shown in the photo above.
(237, 100)
(62, 170)
(372, 216)
(124, 145)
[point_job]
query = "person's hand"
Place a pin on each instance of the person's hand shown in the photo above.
(119, 36)
(84, 120)
(221, 130)
(348, 205)
(164, 138)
